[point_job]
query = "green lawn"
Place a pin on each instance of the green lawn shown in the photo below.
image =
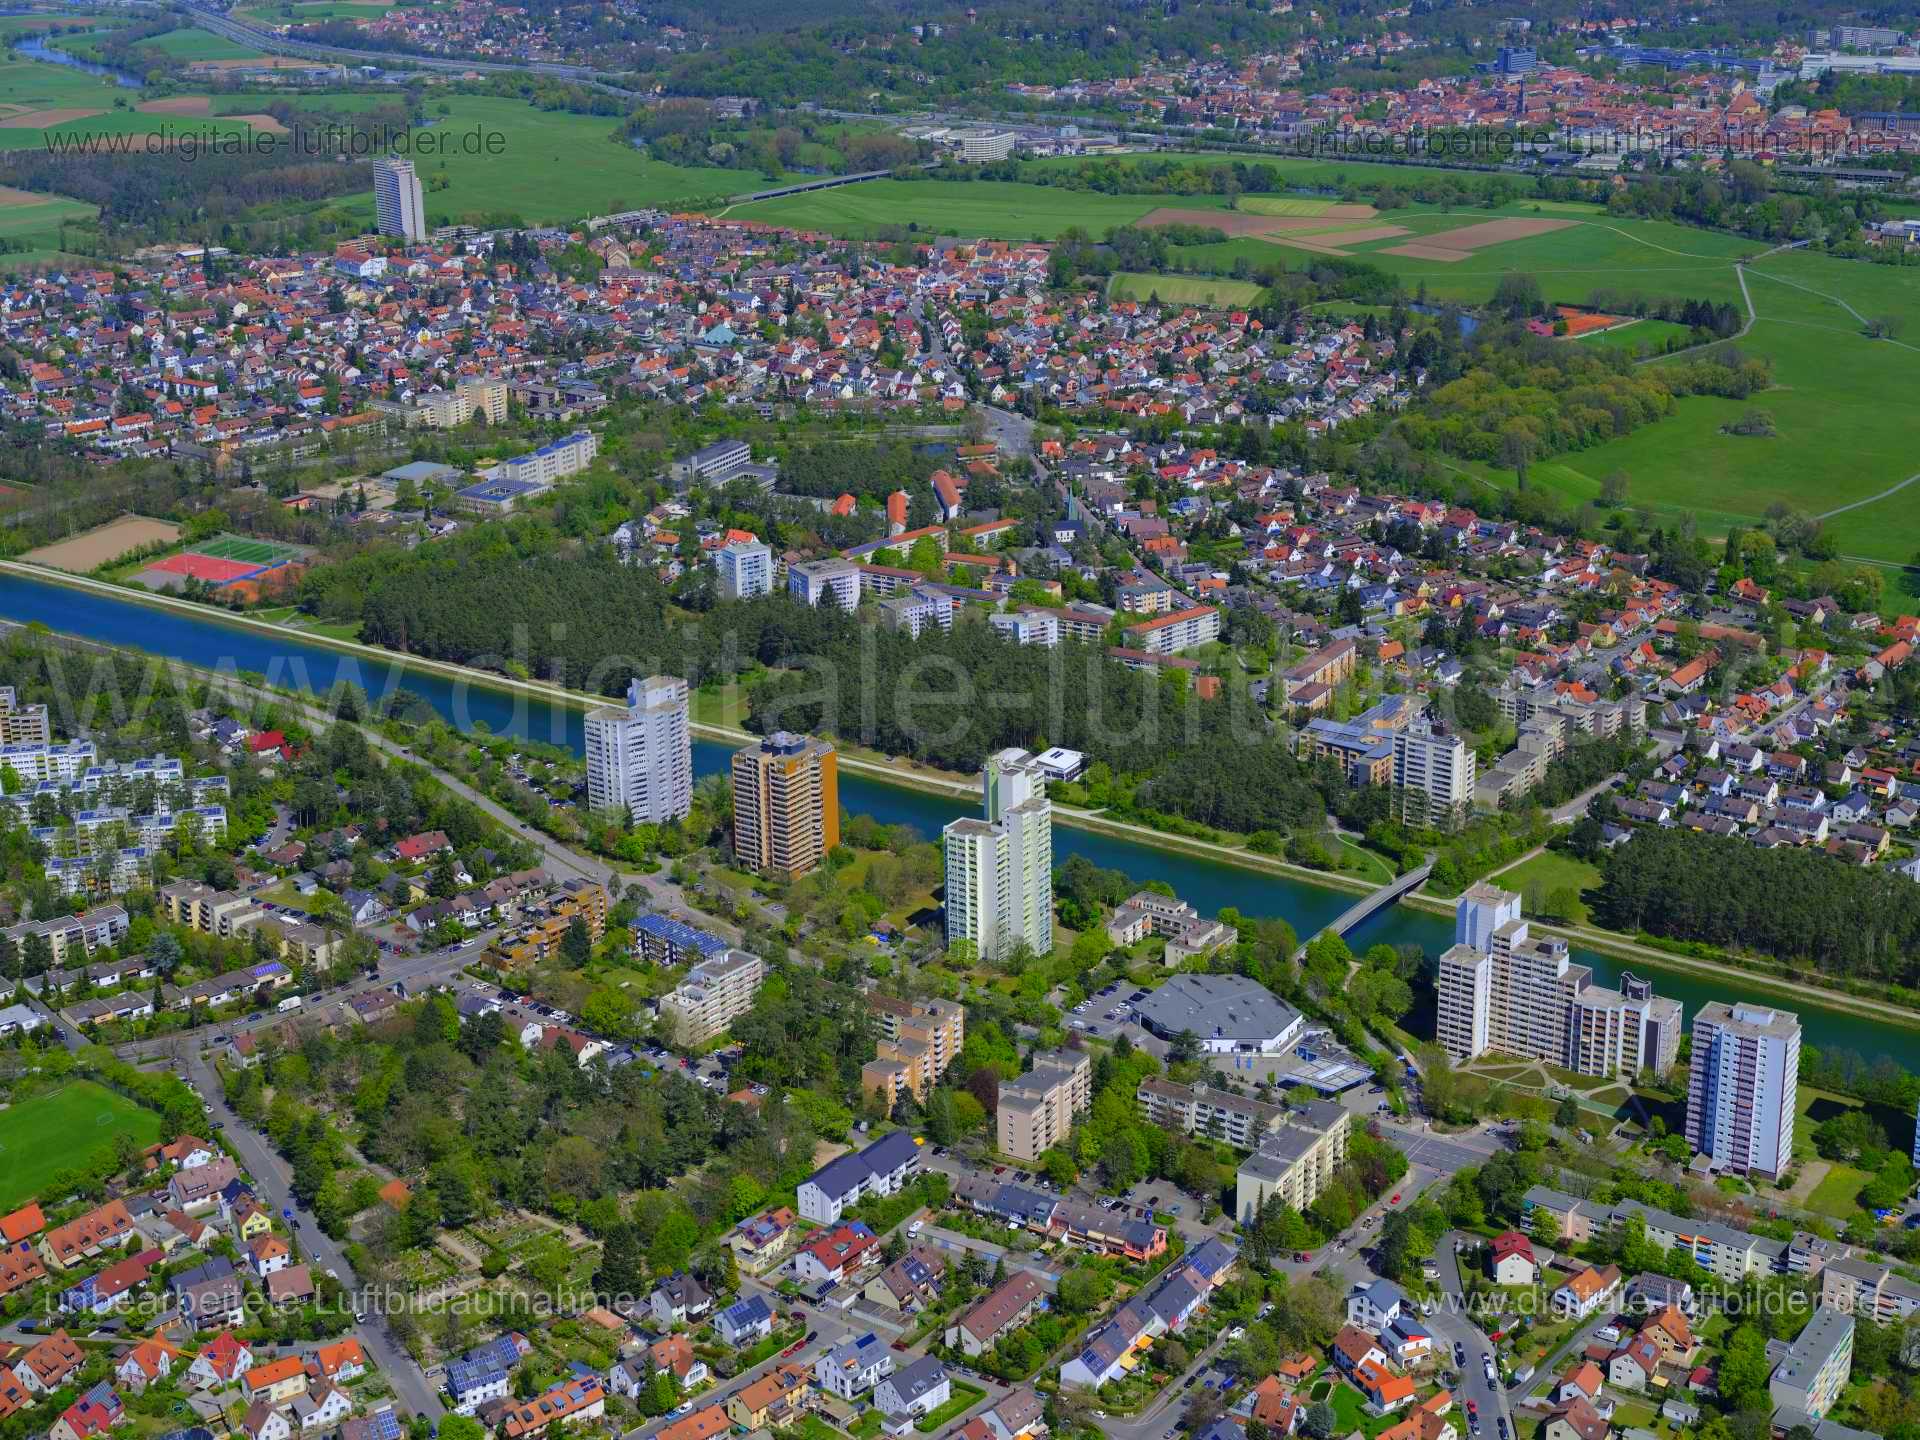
(1550, 871)
(74, 1125)
(36, 85)
(38, 226)
(1839, 1194)
(548, 166)
(1641, 335)
(964, 1398)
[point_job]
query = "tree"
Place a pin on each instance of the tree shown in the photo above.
(623, 1265)
(1744, 1369)
(444, 882)
(1567, 1113)
(1613, 488)
(576, 946)
(1318, 1420)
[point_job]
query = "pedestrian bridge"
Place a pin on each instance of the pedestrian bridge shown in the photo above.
(1349, 919)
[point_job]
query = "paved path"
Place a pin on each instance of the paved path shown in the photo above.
(1890, 491)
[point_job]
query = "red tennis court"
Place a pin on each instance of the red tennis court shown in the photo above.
(204, 567)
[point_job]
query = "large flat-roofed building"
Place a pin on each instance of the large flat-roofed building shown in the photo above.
(745, 569)
(399, 208)
(1294, 1161)
(1170, 634)
(1743, 1089)
(1500, 988)
(1036, 1109)
(640, 757)
(1226, 1014)
(714, 464)
(1240, 1120)
(786, 803)
(813, 581)
(22, 724)
(1816, 1367)
(714, 993)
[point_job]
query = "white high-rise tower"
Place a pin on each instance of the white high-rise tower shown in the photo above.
(1000, 868)
(640, 758)
(399, 206)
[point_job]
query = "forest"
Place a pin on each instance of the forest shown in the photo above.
(1793, 904)
(1524, 398)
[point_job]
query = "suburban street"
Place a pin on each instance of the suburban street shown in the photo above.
(273, 1179)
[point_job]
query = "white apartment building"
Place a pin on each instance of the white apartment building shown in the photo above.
(1036, 1111)
(745, 569)
(714, 993)
(1743, 1090)
(1500, 988)
(1028, 627)
(1464, 992)
(22, 724)
(999, 870)
(553, 462)
(640, 758)
(1170, 634)
(399, 207)
(810, 581)
(1435, 772)
(1624, 1031)
(1294, 1162)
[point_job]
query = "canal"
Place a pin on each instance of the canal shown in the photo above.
(1208, 885)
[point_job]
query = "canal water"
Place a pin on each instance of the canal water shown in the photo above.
(1208, 885)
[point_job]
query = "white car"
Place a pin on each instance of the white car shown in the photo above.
(916, 1228)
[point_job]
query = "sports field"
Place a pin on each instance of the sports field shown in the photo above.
(222, 560)
(249, 552)
(74, 1125)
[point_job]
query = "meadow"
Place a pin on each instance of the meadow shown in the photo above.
(74, 1125)
(1001, 210)
(37, 226)
(1183, 289)
(554, 167)
(196, 44)
(310, 12)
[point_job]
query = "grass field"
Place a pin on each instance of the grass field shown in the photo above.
(1641, 335)
(553, 167)
(38, 226)
(1545, 873)
(1839, 1194)
(310, 13)
(71, 1126)
(37, 84)
(197, 44)
(1183, 289)
(251, 552)
(1282, 205)
(1001, 209)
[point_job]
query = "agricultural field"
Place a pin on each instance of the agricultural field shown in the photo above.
(33, 220)
(310, 12)
(1183, 289)
(197, 44)
(997, 209)
(74, 1125)
(554, 167)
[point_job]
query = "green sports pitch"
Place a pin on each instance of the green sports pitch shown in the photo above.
(75, 1125)
(244, 551)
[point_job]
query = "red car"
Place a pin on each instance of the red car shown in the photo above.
(1472, 1408)
(793, 1349)
(1394, 1201)
(1302, 1257)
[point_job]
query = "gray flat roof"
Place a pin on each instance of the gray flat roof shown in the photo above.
(1217, 1007)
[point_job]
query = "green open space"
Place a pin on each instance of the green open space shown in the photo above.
(964, 1398)
(1839, 1194)
(1648, 336)
(73, 1126)
(38, 84)
(196, 44)
(1183, 289)
(310, 13)
(1548, 873)
(37, 227)
(546, 166)
(1004, 210)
